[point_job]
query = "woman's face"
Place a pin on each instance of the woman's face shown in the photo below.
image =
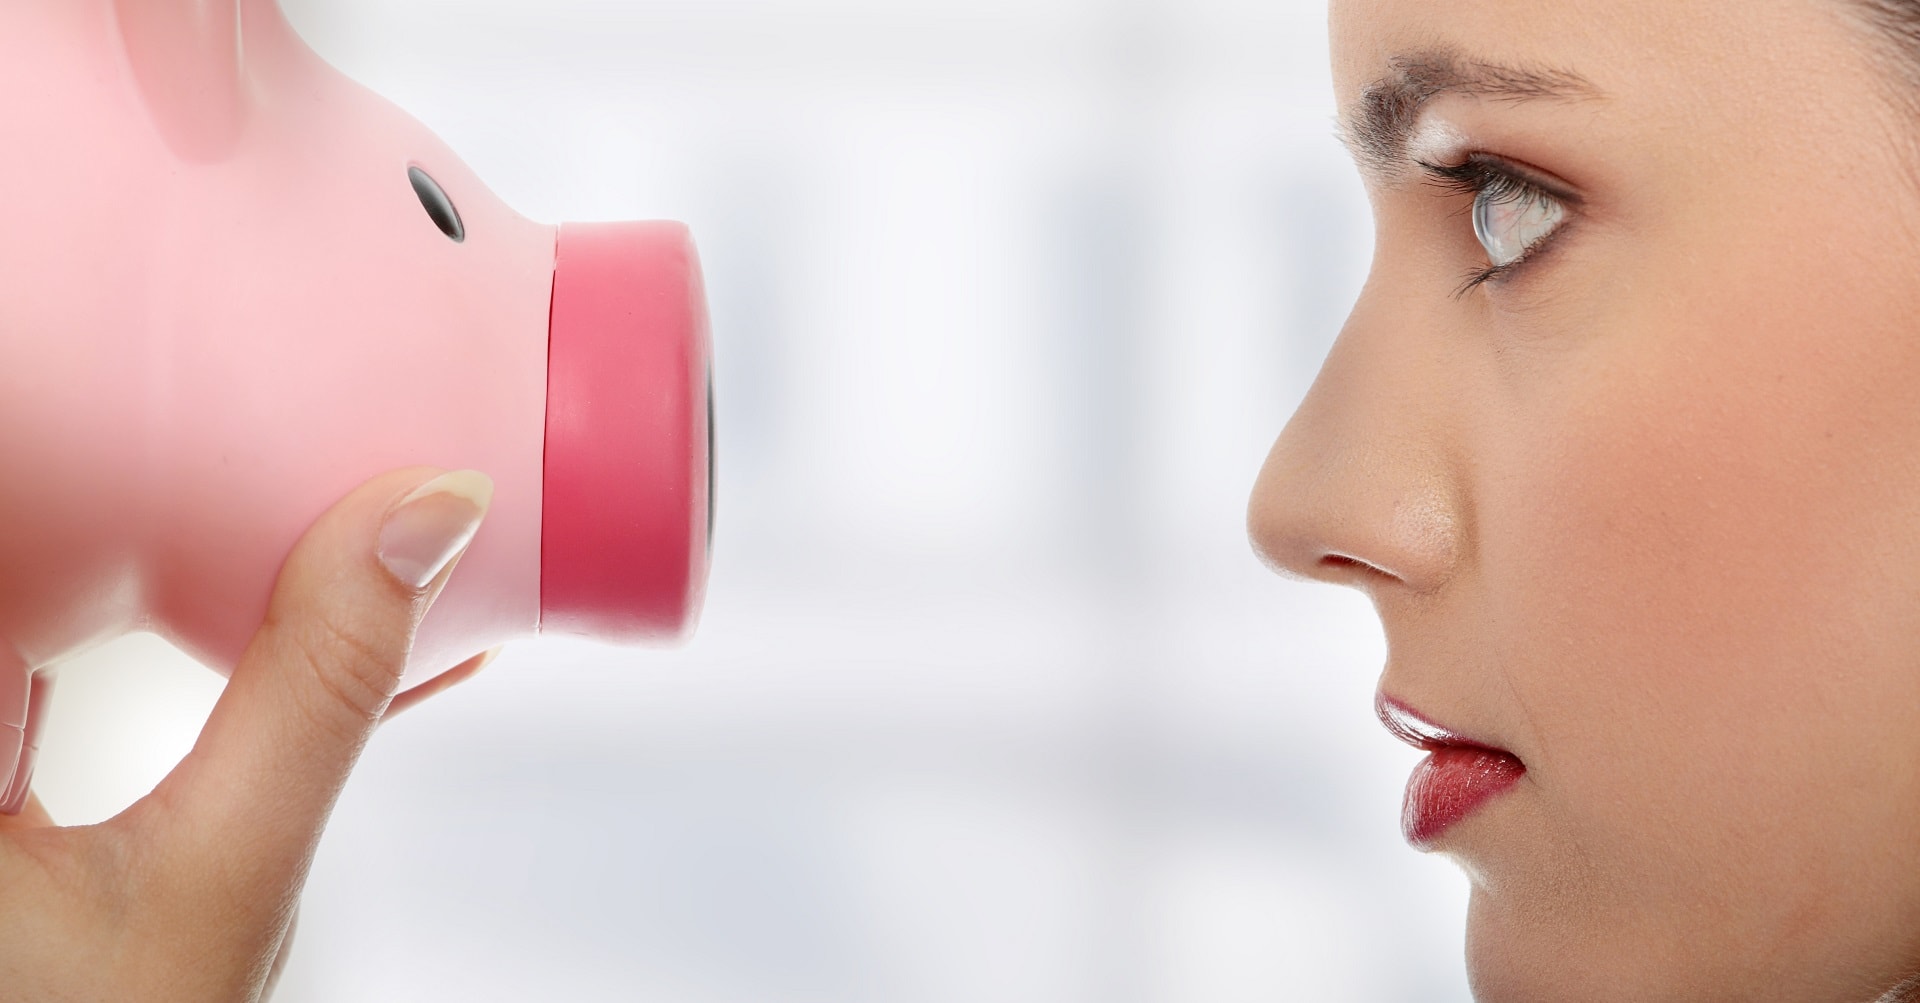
(1643, 507)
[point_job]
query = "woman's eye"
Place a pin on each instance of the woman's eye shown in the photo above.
(1513, 214)
(1511, 219)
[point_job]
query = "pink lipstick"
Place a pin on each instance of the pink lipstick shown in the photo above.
(1457, 777)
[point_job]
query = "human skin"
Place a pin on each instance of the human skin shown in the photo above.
(1645, 511)
(189, 895)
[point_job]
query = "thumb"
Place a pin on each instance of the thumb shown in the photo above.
(317, 675)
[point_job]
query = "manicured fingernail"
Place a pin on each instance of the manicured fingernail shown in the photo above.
(431, 526)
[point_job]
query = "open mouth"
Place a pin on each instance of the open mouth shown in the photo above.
(1457, 777)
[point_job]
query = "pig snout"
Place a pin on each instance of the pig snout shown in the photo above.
(627, 512)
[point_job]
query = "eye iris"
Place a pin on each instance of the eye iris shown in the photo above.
(1508, 224)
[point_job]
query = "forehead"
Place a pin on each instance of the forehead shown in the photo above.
(1657, 54)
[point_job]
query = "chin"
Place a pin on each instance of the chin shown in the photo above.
(1543, 950)
(1499, 969)
(1539, 947)
(1533, 958)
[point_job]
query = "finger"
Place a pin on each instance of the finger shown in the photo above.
(446, 680)
(258, 785)
(33, 816)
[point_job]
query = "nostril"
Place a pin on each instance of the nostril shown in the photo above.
(1343, 569)
(439, 207)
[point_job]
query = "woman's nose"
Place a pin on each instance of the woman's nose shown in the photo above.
(1363, 487)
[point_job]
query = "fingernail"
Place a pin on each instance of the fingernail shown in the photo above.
(432, 525)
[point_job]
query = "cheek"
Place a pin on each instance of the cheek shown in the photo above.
(1700, 545)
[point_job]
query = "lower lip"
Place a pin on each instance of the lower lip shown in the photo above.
(1450, 784)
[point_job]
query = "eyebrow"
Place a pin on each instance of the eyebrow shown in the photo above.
(1376, 129)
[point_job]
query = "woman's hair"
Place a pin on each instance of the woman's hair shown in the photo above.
(1897, 23)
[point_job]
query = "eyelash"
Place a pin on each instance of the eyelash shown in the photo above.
(1484, 176)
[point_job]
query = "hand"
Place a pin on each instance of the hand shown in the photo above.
(190, 894)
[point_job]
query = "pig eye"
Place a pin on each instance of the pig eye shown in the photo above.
(439, 207)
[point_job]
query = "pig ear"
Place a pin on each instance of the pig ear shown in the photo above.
(185, 57)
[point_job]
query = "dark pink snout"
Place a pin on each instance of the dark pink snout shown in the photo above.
(628, 470)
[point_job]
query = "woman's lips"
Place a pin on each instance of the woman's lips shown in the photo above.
(1457, 776)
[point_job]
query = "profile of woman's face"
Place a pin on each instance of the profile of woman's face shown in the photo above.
(1622, 439)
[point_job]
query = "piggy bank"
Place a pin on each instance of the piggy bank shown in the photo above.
(234, 285)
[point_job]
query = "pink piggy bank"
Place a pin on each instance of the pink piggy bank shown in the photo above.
(234, 285)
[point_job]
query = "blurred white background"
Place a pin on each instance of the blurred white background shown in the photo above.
(992, 700)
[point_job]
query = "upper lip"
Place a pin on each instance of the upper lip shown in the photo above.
(1416, 729)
